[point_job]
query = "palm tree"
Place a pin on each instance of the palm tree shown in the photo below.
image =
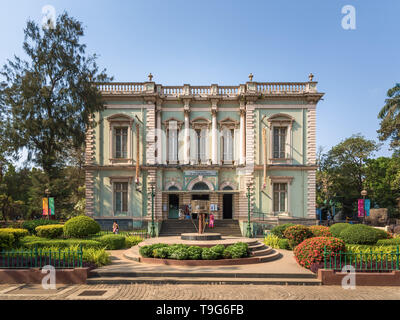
(390, 115)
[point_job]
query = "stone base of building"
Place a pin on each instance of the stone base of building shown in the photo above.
(125, 224)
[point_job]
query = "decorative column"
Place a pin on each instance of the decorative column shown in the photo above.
(242, 141)
(90, 159)
(214, 132)
(186, 144)
(159, 159)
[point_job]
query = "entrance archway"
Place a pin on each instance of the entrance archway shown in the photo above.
(227, 204)
(173, 204)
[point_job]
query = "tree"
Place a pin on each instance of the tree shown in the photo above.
(344, 169)
(48, 101)
(390, 115)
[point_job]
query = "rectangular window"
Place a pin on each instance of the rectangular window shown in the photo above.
(121, 197)
(228, 145)
(280, 197)
(201, 142)
(279, 143)
(121, 143)
(172, 144)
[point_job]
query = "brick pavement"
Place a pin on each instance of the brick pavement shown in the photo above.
(210, 292)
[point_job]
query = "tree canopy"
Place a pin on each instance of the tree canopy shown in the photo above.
(47, 101)
(390, 115)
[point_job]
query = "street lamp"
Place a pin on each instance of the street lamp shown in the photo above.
(364, 193)
(47, 192)
(248, 232)
(153, 228)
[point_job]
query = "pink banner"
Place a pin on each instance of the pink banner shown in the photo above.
(361, 207)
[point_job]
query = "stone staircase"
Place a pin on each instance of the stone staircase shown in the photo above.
(177, 227)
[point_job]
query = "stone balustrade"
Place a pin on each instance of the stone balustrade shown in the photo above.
(264, 88)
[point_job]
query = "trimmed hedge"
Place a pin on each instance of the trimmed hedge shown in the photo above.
(112, 241)
(236, 251)
(382, 234)
(359, 234)
(17, 233)
(148, 251)
(337, 228)
(388, 242)
(297, 234)
(51, 231)
(32, 224)
(62, 243)
(311, 250)
(209, 254)
(80, 227)
(320, 231)
(195, 253)
(279, 230)
(7, 240)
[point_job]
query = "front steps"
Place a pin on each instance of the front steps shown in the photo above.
(177, 227)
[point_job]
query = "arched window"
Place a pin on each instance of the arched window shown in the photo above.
(173, 188)
(200, 186)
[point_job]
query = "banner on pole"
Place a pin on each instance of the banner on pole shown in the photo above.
(361, 207)
(51, 207)
(367, 206)
(45, 206)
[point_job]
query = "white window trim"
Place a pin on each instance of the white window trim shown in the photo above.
(281, 120)
(120, 121)
(178, 132)
(114, 180)
(288, 181)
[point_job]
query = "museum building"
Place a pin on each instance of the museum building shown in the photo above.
(226, 144)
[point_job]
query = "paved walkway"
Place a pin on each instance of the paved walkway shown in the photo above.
(285, 265)
(202, 292)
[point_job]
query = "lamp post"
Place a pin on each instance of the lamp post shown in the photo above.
(248, 231)
(47, 192)
(364, 193)
(153, 228)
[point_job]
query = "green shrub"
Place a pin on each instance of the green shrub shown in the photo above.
(112, 241)
(272, 241)
(337, 228)
(131, 241)
(297, 234)
(62, 243)
(161, 253)
(194, 253)
(147, 251)
(51, 231)
(97, 256)
(364, 251)
(284, 244)
(320, 231)
(17, 233)
(382, 234)
(219, 250)
(312, 250)
(180, 254)
(388, 242)
(359, 234)
(7, 240)
(32, 224)
(80, 227)
(236, 251)
(278, 230)
(209, 254)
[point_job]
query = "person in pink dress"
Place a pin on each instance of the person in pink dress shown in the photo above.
(211, 224)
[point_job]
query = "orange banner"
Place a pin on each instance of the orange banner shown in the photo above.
(45, 206)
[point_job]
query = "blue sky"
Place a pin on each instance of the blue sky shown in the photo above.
(205, 42)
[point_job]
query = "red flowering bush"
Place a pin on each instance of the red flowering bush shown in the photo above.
(297, 234)
(311, 250)
(320, 231)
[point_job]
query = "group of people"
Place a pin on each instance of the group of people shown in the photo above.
(184, 213)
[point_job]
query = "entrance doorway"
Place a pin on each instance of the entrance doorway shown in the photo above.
(173, 212)
(227, 207)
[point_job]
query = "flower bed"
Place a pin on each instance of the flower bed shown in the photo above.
(185, 252)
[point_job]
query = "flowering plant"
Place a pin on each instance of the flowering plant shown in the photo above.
(320, 231)
(311, 250)
(297, 234)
